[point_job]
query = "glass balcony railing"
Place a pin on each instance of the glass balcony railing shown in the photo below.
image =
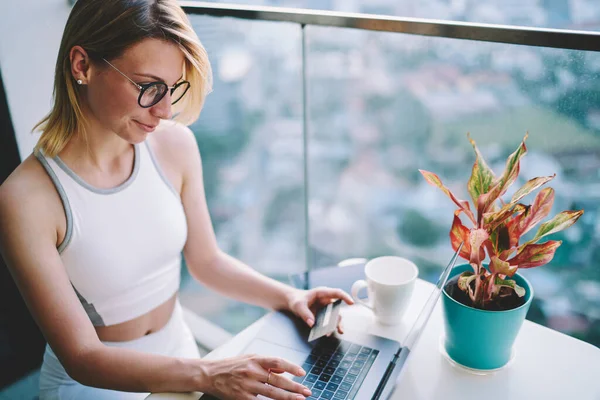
(250, 136)
(318, 123)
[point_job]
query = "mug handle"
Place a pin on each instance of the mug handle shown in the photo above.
(357, 287)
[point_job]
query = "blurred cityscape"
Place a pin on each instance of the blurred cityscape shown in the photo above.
(381, 106)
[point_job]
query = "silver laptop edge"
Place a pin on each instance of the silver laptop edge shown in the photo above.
(419, 325)
(415, 332)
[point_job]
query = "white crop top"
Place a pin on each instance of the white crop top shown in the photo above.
(122, 247)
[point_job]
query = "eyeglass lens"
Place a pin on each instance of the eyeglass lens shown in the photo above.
(154, 93)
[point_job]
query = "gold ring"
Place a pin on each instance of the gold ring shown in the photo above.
(269, 377)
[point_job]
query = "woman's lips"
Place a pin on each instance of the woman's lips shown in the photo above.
(147, 128)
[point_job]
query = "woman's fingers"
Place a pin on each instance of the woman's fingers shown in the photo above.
(275, 393)
(306, 314)
(275, 386)
(279, 364)
(283, 383)
(330, 293)
(243, 377)
(277, 371)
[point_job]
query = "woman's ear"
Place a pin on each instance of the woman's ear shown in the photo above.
(80, 65)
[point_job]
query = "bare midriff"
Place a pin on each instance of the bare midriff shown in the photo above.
(143, 325)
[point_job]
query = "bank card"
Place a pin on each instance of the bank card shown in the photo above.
(325, 321)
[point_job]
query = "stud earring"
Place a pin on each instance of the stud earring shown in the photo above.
(79, 81)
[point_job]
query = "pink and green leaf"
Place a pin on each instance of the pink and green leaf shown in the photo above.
(464, 280)
(539, 210)
(513, 224)
(459, 234)
(560, 222)
(500, 186)
(505, 254)
(530, 186)
(500, 239)
(492, 220)
(534, 255)
(482, 176)
(498, 266)
(476, 239)
(464, 283)
(490, 246)
(511, 284)
(434, 180)
(511, 170)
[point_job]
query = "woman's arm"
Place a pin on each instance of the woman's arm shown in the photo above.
(237, 280)
(28, 234)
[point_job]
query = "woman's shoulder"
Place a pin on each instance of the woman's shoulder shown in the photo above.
(28, 189)
(174, 144)
(172, 136)
(28, 178)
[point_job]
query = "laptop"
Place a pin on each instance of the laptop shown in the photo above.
(352, 366)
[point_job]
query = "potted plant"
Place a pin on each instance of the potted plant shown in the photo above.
(485, 304)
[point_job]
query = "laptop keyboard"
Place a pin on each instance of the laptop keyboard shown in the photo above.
(335, 369)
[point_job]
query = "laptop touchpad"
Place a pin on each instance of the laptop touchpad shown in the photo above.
(264, 348)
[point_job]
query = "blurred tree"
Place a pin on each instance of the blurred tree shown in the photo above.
(219, 148)
(418, 230)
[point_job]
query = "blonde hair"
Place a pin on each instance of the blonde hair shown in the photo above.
(105, 29)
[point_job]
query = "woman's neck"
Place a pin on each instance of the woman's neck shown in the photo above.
(98, 149)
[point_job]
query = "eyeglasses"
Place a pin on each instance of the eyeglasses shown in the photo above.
(153, 92)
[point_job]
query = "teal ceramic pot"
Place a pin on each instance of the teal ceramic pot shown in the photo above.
(480, 339)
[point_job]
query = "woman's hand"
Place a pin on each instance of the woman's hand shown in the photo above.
(245, 377)
(305, 303)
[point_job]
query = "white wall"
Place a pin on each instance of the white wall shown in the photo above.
(30, 33)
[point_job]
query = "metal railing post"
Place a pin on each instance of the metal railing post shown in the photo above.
(305, 133)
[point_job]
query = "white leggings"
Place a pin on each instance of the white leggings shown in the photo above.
(174, 339)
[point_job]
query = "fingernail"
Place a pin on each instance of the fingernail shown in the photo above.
(301, 372)
(310, 322)
(300, 397)
(307, 392)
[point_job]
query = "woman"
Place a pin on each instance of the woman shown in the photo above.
(94, 222)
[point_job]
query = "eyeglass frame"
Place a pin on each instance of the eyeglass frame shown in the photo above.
(145, 86)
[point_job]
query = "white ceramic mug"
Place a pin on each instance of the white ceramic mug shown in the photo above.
(390, 283)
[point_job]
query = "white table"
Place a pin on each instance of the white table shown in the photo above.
(547, 364)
